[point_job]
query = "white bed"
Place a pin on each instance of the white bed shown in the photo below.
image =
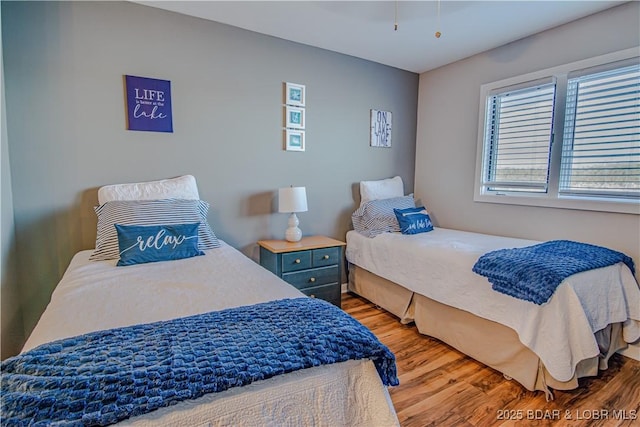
(428, 278)
(98, 295)
(422, 274)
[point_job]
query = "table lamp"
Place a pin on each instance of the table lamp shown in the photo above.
(292, 200)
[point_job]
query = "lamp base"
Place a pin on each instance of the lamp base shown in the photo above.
(293, 233)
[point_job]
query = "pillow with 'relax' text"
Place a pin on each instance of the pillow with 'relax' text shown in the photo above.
(140, 244)
(149, 212)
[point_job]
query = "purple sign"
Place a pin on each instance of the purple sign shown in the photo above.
(148, 104)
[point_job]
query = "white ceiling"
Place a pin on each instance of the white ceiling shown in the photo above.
(365, 29)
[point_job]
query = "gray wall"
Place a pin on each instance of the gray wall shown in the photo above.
(448, 125)
(11, 333)
(65, 115)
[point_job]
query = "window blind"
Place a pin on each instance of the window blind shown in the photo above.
(601, 141)
(518, 135)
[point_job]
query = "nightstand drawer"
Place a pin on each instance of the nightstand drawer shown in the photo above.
(329, 293)
(315, 277)
(327, 256)
(294, 261)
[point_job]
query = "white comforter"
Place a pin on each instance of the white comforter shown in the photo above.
(97, 295)
(438, 265)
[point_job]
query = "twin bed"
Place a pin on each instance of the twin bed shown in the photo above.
(427, 278)
(96, 300)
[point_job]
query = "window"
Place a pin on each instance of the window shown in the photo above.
(601, 142)
(519, 128)
(565, 137)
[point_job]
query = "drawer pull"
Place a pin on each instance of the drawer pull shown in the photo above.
(325, 257)
(313, 279)
(297, 261)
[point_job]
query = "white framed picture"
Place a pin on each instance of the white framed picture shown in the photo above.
(294, 117)
(293, 140)
(381, 128)
(294, 94)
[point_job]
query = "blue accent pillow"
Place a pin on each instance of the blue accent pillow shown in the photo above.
(150, 243)
(413, 220)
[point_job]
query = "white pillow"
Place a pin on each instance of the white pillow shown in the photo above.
(182, 187)
(381, 189)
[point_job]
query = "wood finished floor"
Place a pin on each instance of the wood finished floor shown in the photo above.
(439, 386)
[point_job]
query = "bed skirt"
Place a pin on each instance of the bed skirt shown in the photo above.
(477, 337)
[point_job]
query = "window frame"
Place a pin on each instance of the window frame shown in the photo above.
(551, 198)
(496, 98)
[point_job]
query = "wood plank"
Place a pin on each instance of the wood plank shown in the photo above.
(439, 386)
(307, 242)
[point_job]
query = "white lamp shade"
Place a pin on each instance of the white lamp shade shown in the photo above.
(292, 199)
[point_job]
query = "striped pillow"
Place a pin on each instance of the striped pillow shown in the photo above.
(149, 212)
(377, 216)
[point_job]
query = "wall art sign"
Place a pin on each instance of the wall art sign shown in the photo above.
(294, 94)
(380, 128)
(148, 104)
(294, 117)
(294, 140)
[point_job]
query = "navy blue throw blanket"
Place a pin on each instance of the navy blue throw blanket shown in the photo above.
(104, 377)
(534, 272)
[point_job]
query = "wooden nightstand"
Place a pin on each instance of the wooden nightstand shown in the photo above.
(313, 265)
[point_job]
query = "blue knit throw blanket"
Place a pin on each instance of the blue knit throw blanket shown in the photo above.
(104, 377)
(534, 272)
